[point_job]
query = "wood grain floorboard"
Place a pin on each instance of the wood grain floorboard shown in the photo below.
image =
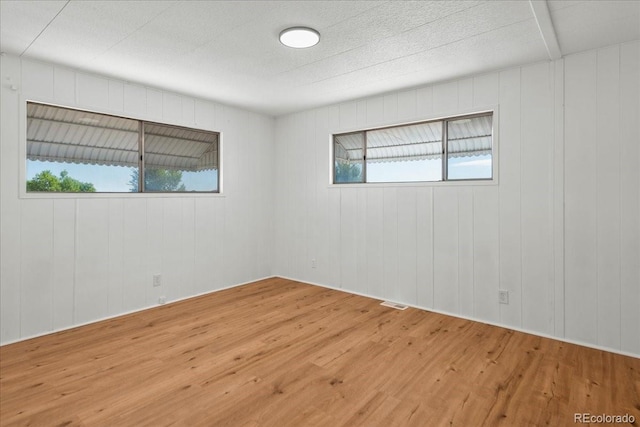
(283, 353)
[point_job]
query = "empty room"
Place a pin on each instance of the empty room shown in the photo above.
(319, 213)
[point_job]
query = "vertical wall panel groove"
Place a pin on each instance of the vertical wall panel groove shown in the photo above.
(10, 219)
(406, 226)
(558, 203)
(116, 253)
(64, 220)
(630, 196)
(536, 197)
(446, 250)
(424, 247)
(390, 285)
(608, 196)
(580, 162)
(466, 251)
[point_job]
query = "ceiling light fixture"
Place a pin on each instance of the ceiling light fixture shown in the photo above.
(299, 37)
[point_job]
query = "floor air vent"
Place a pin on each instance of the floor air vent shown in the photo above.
(394, 305)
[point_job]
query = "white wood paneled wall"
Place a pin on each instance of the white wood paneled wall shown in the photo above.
(602, 197)
(68, 261)
(435, 246)
(452, 247)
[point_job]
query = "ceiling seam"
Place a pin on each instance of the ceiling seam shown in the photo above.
(542, 15)
(45, 28)
(126, 37)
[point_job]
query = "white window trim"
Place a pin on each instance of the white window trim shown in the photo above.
(495, 152)
(22, 159)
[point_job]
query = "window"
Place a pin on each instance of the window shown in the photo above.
(78, 151)
(456, 148)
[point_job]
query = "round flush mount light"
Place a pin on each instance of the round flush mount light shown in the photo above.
(299, 37)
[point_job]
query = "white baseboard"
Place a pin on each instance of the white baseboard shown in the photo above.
(460, 316)
(53, 331)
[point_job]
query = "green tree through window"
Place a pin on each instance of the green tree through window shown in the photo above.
(348, 172)
(158, 180)
(47, 182)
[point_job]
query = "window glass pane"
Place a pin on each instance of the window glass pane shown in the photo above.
(348, 151)
(180, 159)
(469, 148)
(405, 153)
(76, 151)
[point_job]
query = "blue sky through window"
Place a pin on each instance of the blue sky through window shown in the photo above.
(476, 167)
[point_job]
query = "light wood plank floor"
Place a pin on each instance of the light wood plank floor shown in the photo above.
(283, 353)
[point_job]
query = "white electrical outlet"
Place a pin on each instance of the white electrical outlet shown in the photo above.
(313, 263)
(162, 299)
(157, 280)
(503, 297)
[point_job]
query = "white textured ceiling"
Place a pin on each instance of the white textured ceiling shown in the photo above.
(229, 51)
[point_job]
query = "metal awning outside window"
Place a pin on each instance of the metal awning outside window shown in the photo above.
(56, 134)
(466, 138)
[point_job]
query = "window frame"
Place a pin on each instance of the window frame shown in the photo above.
(445, 119)
(22, 170)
